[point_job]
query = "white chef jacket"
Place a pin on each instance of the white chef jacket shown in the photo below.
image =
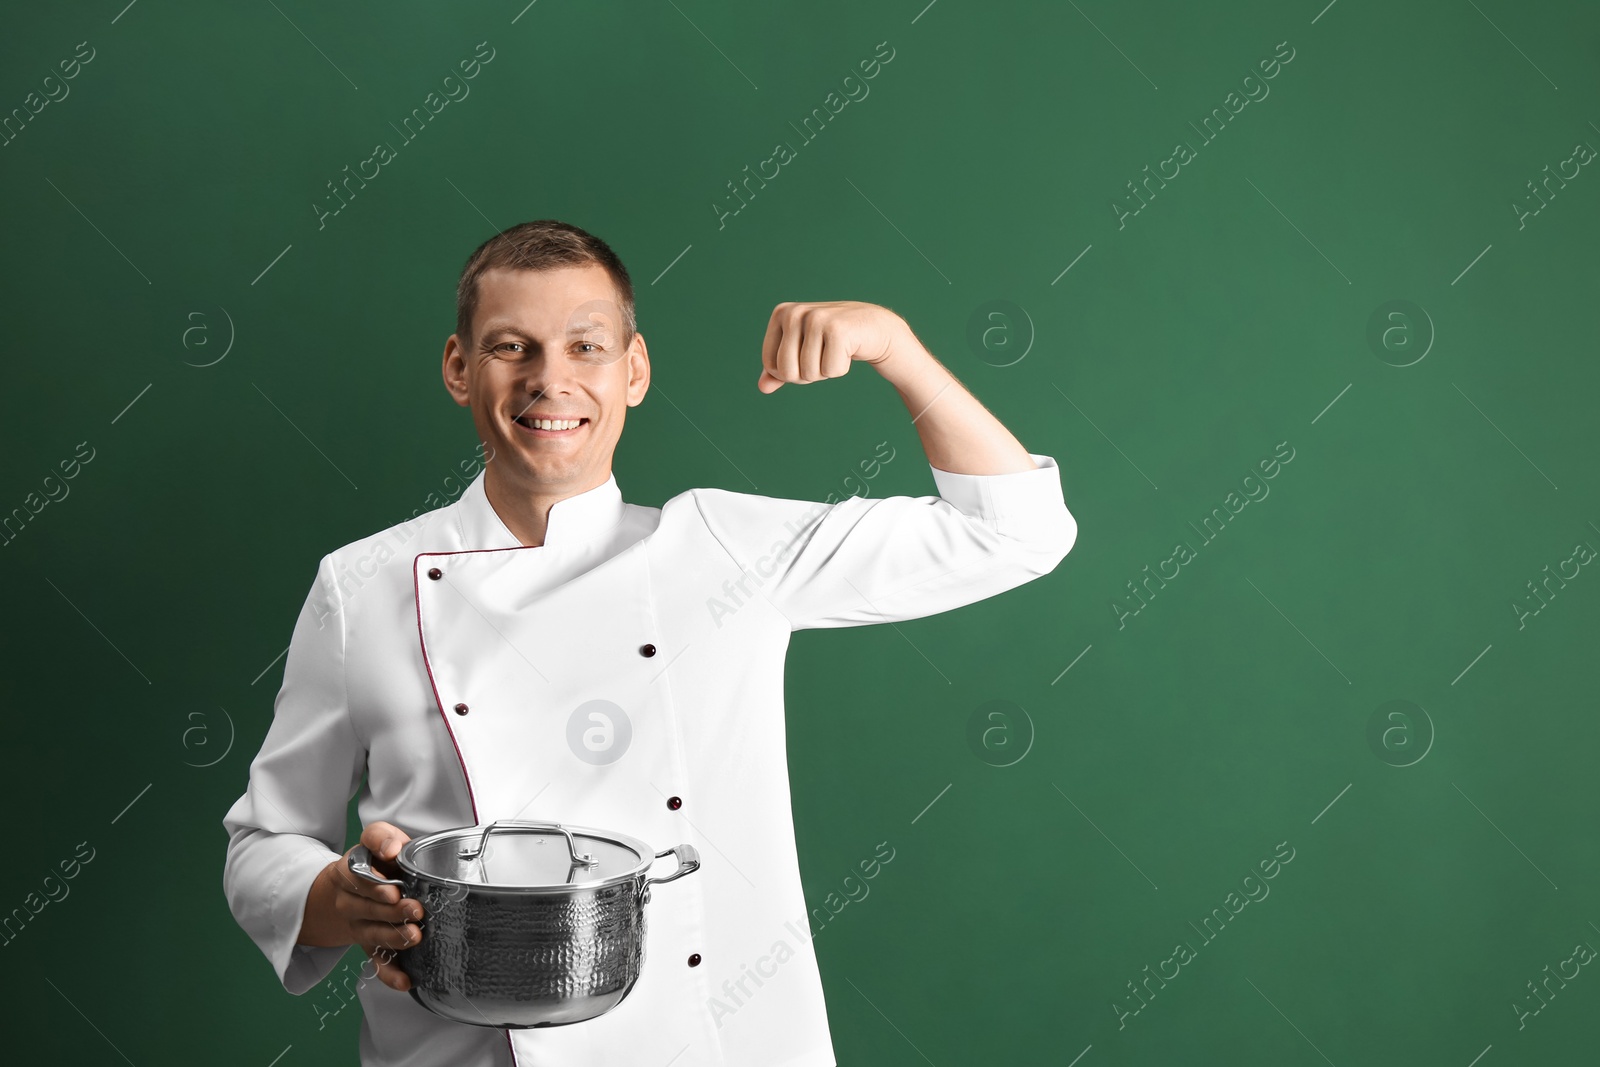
(457, 668)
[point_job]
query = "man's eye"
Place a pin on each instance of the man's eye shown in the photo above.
(507, 344)
(589, 345)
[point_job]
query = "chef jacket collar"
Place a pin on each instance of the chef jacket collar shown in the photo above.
(573, 522)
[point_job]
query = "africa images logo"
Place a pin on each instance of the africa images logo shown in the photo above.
(599, 732)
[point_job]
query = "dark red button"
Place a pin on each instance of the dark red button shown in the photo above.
(694, 959)
(647, 650)
(674, 803)
(435, 573)
(461, 709)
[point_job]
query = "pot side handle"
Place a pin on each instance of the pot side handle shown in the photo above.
(688, 863)
(360, 863)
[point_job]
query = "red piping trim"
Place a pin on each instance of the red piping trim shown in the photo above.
(416, 596)
(416, 599)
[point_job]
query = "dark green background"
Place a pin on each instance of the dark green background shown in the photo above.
(1222, 320)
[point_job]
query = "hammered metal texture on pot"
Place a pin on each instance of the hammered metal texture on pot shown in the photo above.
(522, 959)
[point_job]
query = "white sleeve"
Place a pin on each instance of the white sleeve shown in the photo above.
(290, 822)
(863, 561)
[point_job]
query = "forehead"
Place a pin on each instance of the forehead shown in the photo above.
(546, 301)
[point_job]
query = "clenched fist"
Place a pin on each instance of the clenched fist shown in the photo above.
(807, 342)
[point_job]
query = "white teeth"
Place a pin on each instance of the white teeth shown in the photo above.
(556, 424)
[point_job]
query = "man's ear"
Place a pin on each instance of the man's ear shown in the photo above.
(455, 371)
(638, 370)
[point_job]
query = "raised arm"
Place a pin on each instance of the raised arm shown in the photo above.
(812, 341)
(999, 520)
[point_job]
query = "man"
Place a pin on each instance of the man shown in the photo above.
(470, 672)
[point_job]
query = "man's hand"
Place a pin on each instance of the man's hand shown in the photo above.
(807, 342)
(342, 909)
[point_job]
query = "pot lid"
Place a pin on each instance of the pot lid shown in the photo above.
(516, 854)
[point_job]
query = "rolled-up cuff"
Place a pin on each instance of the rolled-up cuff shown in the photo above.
(1014, 503)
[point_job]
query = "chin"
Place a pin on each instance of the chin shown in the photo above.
(546, 470)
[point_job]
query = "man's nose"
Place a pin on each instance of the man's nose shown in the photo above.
(546, 377)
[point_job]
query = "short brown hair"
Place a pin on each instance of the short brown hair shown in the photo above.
(543, 244)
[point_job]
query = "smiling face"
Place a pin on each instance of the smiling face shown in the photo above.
(547, 377)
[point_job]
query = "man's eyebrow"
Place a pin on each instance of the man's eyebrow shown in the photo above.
(512, 328)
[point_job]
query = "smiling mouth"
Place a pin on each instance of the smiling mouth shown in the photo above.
(549, 427)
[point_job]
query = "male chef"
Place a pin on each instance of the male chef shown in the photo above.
(542, 649)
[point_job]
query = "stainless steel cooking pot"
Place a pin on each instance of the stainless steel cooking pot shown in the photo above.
(525, 924)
